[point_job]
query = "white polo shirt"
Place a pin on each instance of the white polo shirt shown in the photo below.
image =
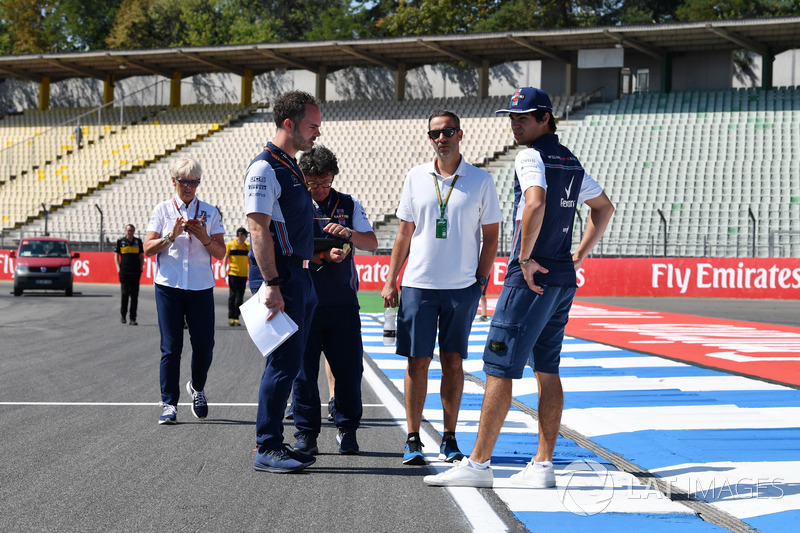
(186, 263)
(450, 263)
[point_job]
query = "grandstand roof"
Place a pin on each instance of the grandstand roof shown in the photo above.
(762, 36)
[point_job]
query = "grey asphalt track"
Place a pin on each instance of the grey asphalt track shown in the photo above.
(98, 467)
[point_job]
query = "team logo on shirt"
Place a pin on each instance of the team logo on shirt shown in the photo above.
(340, 215)
(564, 201)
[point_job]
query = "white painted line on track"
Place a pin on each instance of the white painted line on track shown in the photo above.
(475, 508)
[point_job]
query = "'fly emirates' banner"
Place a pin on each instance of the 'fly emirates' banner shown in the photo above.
(777, 278)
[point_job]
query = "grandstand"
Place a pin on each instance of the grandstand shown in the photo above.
(705, 159)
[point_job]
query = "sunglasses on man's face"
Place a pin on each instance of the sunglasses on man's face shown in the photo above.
(448, 132)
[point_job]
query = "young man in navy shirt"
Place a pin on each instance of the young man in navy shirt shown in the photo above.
(533, 308)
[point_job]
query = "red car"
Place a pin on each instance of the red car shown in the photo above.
(43, 263)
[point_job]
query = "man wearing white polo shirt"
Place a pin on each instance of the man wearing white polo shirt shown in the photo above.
(446, 206)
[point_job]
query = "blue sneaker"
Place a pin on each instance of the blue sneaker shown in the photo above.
(199, 401)
(449, 452)
(306, 444)
(413, 454)
(169, 415)
(277, 462)
(307, 460)
(348, 445)
(289, 413)
(330, 410)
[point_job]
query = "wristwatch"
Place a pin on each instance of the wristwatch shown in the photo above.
(275, 282)
(482, 281)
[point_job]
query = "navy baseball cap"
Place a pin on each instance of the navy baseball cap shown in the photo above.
(528, 99)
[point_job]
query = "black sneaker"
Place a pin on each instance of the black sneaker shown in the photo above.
(133, 322)
(122, 320)
(348, 445)
(448, 451)
(306, 444)
(199, 401)
(413, 454)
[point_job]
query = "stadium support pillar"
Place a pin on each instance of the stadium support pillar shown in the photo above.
(108, 89)
(571, 77)
(322, 78)
(44, 93)
(767, 64)
(175, 89)
(247, 87)
(400, 82)
(666, 74)
(483, 80)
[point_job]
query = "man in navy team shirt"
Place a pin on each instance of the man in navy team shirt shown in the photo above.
(533, 308)
(280, 215)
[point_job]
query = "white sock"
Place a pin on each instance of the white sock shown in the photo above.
(479, 466)
(542, 464)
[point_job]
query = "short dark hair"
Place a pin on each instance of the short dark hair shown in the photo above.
(318, 161)
(539, 116)
(444, 113)
(292, 105)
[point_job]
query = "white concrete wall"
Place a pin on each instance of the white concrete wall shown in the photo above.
(710, 70)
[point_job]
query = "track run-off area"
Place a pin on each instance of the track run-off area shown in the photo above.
(672, 422)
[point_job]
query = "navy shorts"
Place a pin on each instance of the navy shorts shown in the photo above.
(422, 310)
(527, 328)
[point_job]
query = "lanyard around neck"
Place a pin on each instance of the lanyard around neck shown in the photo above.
(443, 205)
(329, 218)
(285, 160)
(196, 211)
(178, 209)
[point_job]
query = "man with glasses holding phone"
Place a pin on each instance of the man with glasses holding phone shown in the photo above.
(447, 207)
(340, 223)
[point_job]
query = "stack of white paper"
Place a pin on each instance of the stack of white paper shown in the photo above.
(266, 335)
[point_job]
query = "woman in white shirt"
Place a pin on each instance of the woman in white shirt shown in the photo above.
(185, 233)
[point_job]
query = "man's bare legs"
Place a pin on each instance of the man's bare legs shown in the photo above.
(551, 404)
(451, 389)
(496, 402)
(416, 389)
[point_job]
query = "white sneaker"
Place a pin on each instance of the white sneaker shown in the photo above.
(536, 476)
(461, 475)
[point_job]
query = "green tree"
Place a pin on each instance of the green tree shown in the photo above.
(343, 19)
(648, 11)
(6, 43)
(83, 24)
(696, 10)
(168, 23)
(26, 22)
(428, 17)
